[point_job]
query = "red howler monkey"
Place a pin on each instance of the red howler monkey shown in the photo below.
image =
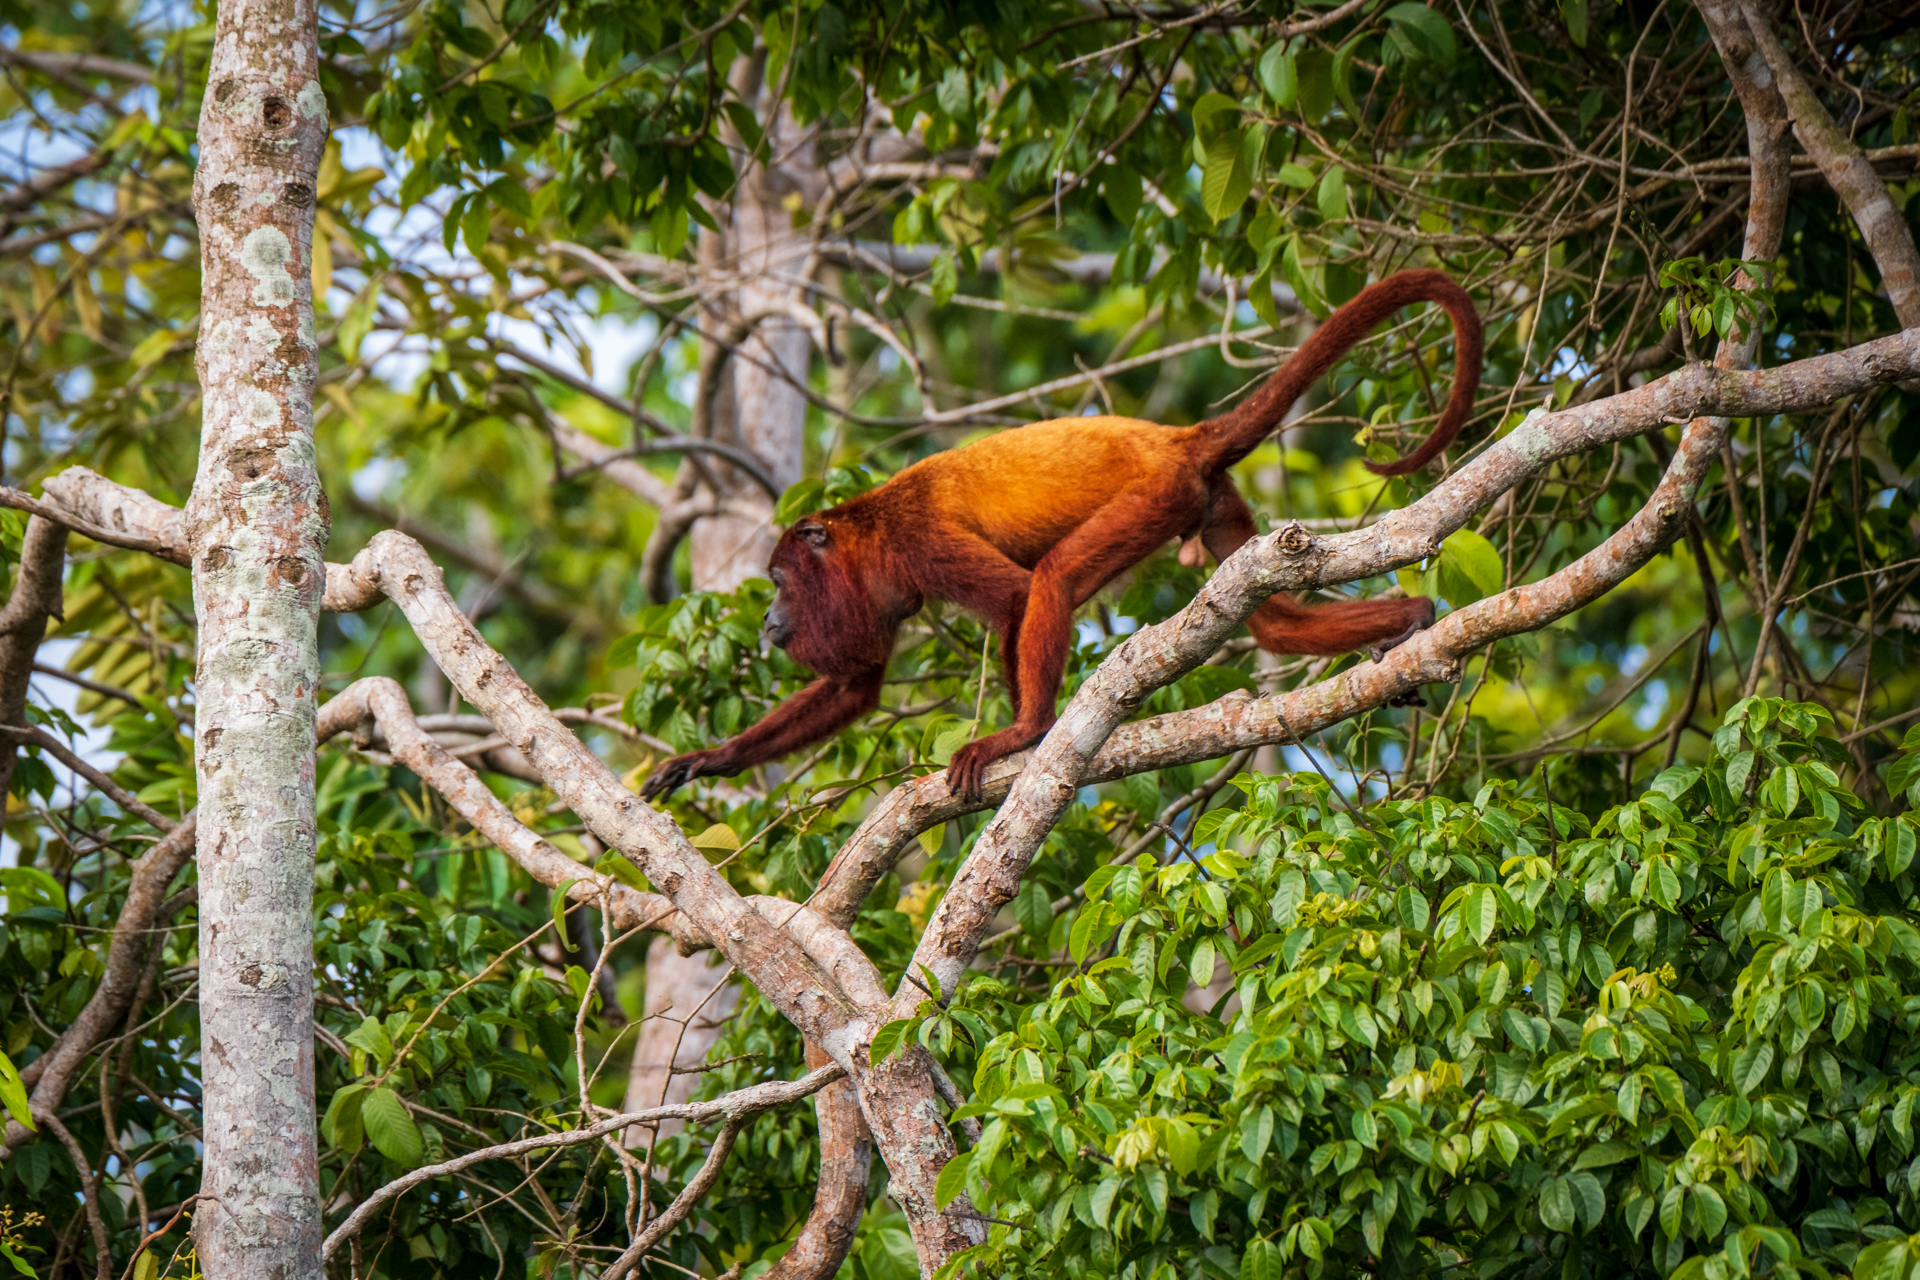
(1026, 525)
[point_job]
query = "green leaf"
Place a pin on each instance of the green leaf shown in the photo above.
(13, 1092)
(475, 226)
(1033, 909)
(621, 868)
(1606, 1153)
(1589, 1200)
(719, 838)
(801, 498)
(1750, 1067)
(1261, 1261)
(1333, 197)
(1480, 912)
(931, 839)
(1201, 965)
(1226, 180)
(1279, 76)
(151, 348)
(744, 122)
(1294, 175)
(1316, 83)
(952, 1180)
(1088, 932)
(888, 1039)
(669, 229)
(1470, 568)
(1556, 1205)
(1256, 1131)
(559, 905)
(952, 740)
(1207, 108)
(1430, 33)
(390, 1128)
(341, 1125)
(945, 277)
(371, 1035)
(1574, 14)
(511, 196)
(352, 330)
(1183, 1146)
(1120, 184)
(1342, 75)
(1260, 297)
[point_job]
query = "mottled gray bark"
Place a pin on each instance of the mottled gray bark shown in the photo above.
(256, 530)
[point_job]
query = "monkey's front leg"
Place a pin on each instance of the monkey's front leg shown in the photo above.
(818, 711)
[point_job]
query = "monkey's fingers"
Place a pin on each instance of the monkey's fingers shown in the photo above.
(670, 777)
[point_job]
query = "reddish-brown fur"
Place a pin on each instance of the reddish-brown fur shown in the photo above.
(1025, 526)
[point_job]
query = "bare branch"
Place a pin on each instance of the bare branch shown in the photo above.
(734, 1107)
(52, 1073)
(1848, 172)
(35, 736)
(75, 64)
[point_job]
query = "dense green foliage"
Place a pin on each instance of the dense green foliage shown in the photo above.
(1488, 1034)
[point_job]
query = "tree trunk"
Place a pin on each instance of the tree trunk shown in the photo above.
(763, 413)
(673, 1035)
(257, 528)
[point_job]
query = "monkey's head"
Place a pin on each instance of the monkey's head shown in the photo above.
(825, 614)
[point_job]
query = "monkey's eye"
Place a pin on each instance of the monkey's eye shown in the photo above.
(814, 533)
(779, 577)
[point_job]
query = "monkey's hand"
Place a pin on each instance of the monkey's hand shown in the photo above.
(681, 770)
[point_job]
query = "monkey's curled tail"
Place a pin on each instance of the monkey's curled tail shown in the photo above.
(1237, 433)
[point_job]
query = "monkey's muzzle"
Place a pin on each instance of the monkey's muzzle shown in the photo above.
(775, 630)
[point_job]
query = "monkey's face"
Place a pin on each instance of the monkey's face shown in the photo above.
(823, 614)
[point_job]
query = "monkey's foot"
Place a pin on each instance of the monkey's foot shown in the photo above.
(966, 772)
(1380, 648)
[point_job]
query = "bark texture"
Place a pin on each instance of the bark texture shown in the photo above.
(255, 531)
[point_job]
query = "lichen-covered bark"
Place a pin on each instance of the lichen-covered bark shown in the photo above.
(255, 531)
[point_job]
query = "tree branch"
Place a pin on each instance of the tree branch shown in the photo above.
(52, 1073)
(734, 1107)
(1848, 172)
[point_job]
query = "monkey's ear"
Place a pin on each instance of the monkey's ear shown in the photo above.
(813, 532)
